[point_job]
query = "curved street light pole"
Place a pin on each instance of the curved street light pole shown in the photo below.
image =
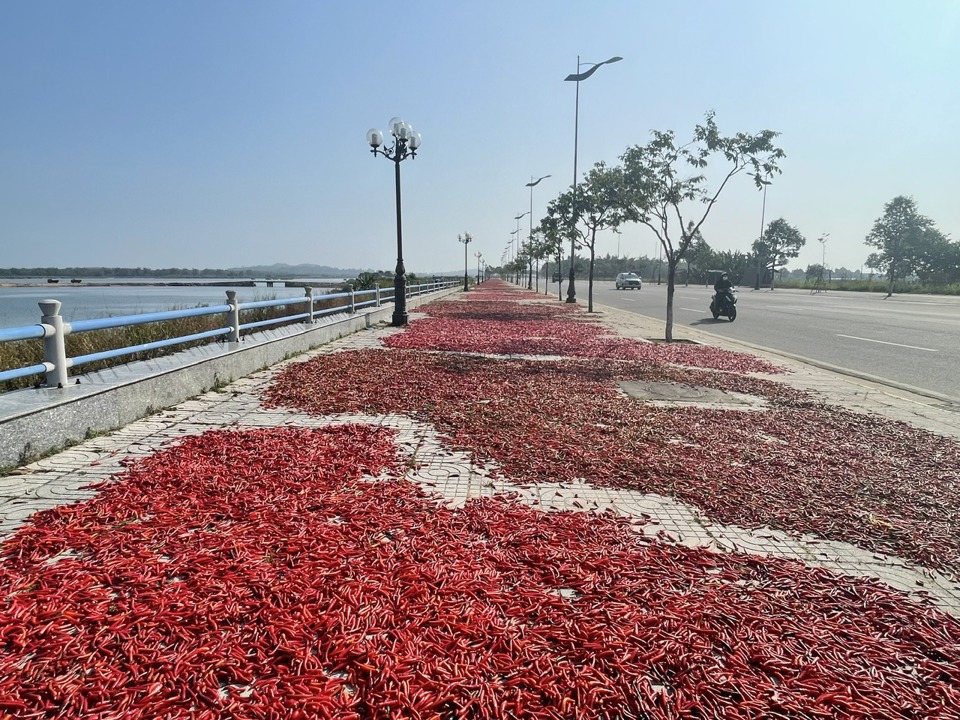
(479, 256)
(514, 246)
(763, 213)
(532, 184)
(519, 272)
(577, 77)
(406, 142)
(465, 239)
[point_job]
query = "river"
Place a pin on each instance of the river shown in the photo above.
(111, 297)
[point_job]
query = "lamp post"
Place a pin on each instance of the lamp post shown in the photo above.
(515, 250)
(818, 285)
(406, 142)
(577, 77)
(532, 184)
(478, 256)
(763, 212)
(465, 239)
(517, 218)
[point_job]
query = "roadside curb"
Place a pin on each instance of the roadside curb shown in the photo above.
(948, 402)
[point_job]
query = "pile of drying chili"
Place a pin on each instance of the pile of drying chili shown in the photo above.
(798, 466)
(538, 328)
(265, 574)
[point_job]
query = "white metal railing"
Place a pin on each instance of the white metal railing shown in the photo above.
(52, 329)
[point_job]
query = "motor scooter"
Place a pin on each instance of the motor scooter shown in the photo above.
(724, 303)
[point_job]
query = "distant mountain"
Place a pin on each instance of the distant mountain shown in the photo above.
(302, 270)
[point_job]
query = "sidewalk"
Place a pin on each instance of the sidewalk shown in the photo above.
(370, 532)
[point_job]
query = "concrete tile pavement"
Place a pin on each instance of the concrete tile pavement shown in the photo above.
(454, 478)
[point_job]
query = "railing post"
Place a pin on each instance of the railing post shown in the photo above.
(309, 293)
(54, 344)
(233, 316)
(353, 300)
(378, 295)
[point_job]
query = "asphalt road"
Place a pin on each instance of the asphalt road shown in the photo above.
(907, 340)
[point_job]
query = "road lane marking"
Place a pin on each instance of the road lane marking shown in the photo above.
(884, 342)
(691, 309)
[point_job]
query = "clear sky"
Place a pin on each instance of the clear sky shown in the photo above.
(231, 132)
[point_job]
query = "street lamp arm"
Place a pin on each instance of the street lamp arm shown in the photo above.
(577, 77)
(394, 153)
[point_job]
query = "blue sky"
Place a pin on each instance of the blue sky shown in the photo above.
(226, 133)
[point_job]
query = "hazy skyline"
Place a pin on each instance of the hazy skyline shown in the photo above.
(219, 134)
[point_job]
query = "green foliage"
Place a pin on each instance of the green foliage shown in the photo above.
(662, 179)
(780, 241)
(938, 262)
(901, 235)
(815, 271)
(372, 280)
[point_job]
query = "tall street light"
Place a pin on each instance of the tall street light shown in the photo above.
(517, 218)
(532, 184)
(763, 212)
(479, 256)
(406, 142)
(465, 239)
(515, 248)
(577, 77)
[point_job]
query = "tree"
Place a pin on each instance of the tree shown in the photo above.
(899, 235)
(659, 189)
(938, 262)
(599, 199)
(554, 239)
(780, 241)
(699, 258)
(815, 272)
(736, 264)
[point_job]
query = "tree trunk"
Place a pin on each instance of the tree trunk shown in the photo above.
(560, 278)
(773, 277)
(892, 276)
(671, 279)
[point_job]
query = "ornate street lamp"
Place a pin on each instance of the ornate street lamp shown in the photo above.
(406, 142)
(577, 77)
(532, 184)
(466, 240)
(479, 257)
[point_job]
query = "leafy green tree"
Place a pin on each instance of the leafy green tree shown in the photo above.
(780, 241)
(599, 199)
(815, 272)
(699, 258)
(735, 264)
(555, 228)
(938, 262)
(663, 178)
(899, 235)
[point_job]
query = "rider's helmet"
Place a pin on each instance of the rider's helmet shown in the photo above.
(723, 276)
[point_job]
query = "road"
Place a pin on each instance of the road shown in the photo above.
(908, 340)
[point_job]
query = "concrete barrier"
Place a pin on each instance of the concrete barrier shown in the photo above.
(36, 422)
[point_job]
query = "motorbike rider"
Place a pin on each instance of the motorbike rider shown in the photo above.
(723, 285)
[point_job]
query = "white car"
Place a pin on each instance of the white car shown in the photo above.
(628, 281)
